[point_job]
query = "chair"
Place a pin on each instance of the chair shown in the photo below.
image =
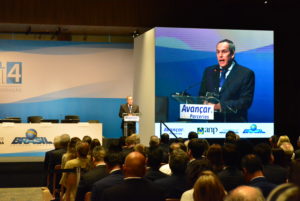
(72, 117)
(50, 120)
(56, 188)
(93, 121)
(12, 119)
(172, 199)
(88, 196)
(34, 119)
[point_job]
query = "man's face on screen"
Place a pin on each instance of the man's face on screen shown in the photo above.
(224, 56)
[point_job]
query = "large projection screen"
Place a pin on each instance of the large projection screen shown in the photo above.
(181, 57)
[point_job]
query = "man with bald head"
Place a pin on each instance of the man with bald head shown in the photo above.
(134, 186)
(245, 193)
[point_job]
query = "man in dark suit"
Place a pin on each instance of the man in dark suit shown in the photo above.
(134, 187)
(173, 186)
(229, 82)
(129, 109)
(273, 173)
(56, 157)
(88, 179)
(253, 172)
(113, 161)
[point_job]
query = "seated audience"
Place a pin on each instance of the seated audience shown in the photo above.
(231, 176)
(279, 157)
(153, 143)
(113, 161)
(288, 151)
(173, 186)
(207, 188)
(164, 145)
(230, 138)
(273, 141)
(95, 142)
(154, 161)
(98, 172)
(245, 193)
(215, 156)
(282, 139)
(194, 171)
(71, 151)
(166, 167)
(130, 143)
(191, 135)
(82, 162)
(253, 172)
(273, 173)
(294, 172)
(134, 187)
(87, 139)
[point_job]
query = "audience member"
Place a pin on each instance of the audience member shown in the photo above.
(134, 187)
(48, 178)
(154, 160)
(279, 157)
(153, 143)
(285, 192)
(82, 162)
(174, 185)
(294, 172)
(273, 173)
(282, 139)
(71, 151)
(130, 142)
(113, 161)
(191, 135)
(288, 149)
(230, 137)
(95, 142)
(166, 167)
(215, 156)
(194, 170)
(140, 148)
(207, 188)
(56, 157)
(253, 172)
(164, 145)
(87, 139)
(273, 141)
(98, 172)
(231, 176)
(245, 193)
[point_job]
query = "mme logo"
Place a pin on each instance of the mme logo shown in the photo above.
(201, 131)
(10, 72)
(31, 138)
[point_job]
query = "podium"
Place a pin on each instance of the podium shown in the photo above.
(129, 123)
(197, 107)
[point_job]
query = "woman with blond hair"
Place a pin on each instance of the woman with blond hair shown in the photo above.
(208, 187)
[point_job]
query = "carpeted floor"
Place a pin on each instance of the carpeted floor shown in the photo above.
(23, 194)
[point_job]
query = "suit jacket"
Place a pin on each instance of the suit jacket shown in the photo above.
(135, 189)
(125, 109)
(262, 183)
(236, 94)
(275, 173)
(173, 186)
(112, 179)
(231, 177)
(88, 179)
(153, 175)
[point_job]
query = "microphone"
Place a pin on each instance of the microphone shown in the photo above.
(184, 92)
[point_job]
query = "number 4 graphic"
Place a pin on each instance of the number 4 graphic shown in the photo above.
(14, 72)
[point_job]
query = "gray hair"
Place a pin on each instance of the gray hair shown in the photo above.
(231, 45)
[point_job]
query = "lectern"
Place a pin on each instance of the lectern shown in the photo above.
(129, 122)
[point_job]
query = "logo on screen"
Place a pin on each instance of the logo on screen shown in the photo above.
(253, 129)
(176, 131)
(31, 138)
(10, 73)
(202, 131)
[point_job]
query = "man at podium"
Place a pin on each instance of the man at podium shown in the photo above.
(232, 83)
(128, 109)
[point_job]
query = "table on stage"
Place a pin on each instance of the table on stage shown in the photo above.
(20, 142)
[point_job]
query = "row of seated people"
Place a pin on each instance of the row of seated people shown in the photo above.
(198, 171)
